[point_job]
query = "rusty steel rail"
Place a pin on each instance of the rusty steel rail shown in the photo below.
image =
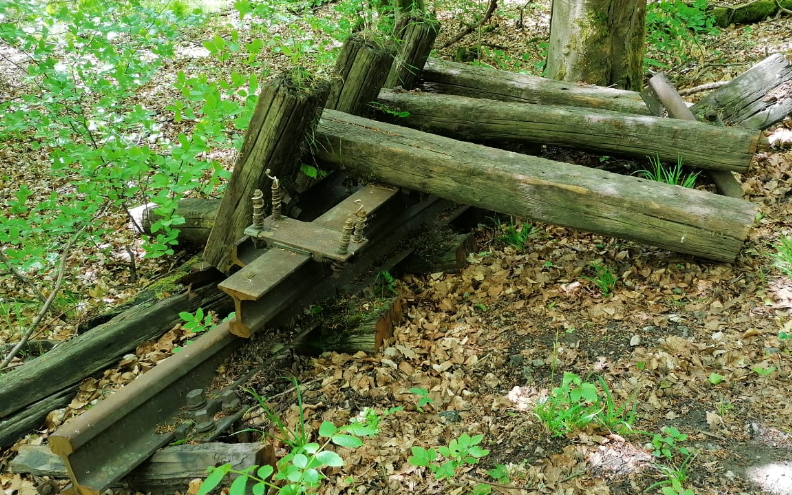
(106, 442)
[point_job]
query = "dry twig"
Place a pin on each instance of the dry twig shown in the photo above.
(702, 87)
(470, 28)
(18, 275)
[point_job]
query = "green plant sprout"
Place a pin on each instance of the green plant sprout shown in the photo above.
(511, 234)
(783, 258)
(666, 447)
(300, 470)
(386, 109)
(460, 452)
(762, 371)
(715, 378)
(669, 175)
(605, 280)
(673, 27)
(424, 398)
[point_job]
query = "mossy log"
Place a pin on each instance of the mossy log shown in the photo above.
(440, 76)
(360, 72)
(416, 41)
(355, 325)
(747, 13)
(627, 207)
(275, 140)
(472, 119)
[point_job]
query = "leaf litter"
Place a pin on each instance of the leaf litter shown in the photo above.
(490, 342)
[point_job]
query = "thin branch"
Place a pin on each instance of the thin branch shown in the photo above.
(46, 306)
(18, 275)
(702, 87)
(782, 9)
(470, 28)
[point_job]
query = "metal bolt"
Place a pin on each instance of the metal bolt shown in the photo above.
(230, 400)
(346, 236)
(360, 223)
(204, 422)
(276, 196)
(258, 208)
(195, 399)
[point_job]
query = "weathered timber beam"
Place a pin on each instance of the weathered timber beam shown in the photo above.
(669, 99)
(671, 217)
(70, 362)
(20, 423)
(473, 119)
(440, 76)
(756, 99)
(168, 471)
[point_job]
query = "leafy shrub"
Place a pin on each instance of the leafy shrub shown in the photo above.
(673, 27)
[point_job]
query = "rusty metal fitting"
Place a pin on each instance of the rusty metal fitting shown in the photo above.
(361, 217)
(276, 196)
(346, 236)
(204, 422)
(195, 399)
(230, 400)
(258, 208)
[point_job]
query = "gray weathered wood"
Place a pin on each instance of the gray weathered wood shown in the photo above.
(199, 218)
(169, 469)
(416, 40)
(671, 217)
(756, 99)
(663, 92)
(19, 423)
(440, 76)
(75, 359)
(608, 132)
(360, 72)
(275, 140)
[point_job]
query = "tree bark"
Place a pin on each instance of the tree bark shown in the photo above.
(697, 144)
(275, 140)
(360, 72)
(597, 41)
(70, 362)
(440, 76)
(670, 217)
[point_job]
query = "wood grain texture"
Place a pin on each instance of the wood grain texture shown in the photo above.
(671, 217)
(360, 72)
(440, 76)
(697, 144)
(275, 140)
(416, 41)
(756, 99)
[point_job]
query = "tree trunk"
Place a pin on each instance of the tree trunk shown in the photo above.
(671, 217)
(274, 141)
(598, 42)
(440, 76)
(360, 72)
(697, 144)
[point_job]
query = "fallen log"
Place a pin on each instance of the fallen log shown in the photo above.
(671, 217)
(440, 76)
(199, 218)
(749, 12)
(756, 99)
(19, 423)
(71, 361)
(472, 119)
(168, 471)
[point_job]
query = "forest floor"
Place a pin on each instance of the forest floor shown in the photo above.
(685, 343)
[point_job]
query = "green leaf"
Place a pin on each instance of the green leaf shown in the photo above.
(715, 378)
(360, 429)
(327, 429)
(300, 460)
(216, 475)
(329, 458)
(238, 486)
(348, 441)
(264, 471)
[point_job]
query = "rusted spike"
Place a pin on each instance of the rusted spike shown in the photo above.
(346, 236)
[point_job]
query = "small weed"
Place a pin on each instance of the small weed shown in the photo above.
(301, 469)
(423, 400)
(783, 258)
(715, 378)
(575, 404)
(198, 323)
(386, 109)
(511, 234)
(762, 371)
(388, 283)
(669, 175)
(605, 280)
(464, 451)
(481, 307)
(724, 407)
(667, 448)
(312, 172)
